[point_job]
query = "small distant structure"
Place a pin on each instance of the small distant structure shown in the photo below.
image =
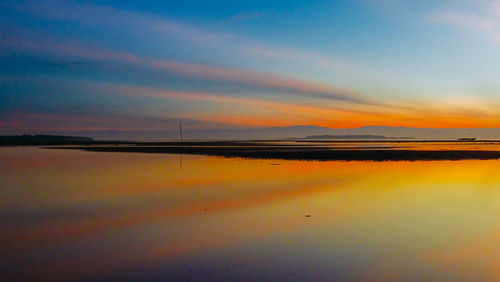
(180, 132)
(467, 138)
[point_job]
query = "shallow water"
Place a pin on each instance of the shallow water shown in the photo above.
(67, 215)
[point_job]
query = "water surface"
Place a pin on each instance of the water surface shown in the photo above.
(67, 215)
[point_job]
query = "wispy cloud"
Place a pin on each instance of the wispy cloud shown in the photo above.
(292, 86)
(66, 51)
(482, 18)
(118, 19)
(159, 27)
(16, 42)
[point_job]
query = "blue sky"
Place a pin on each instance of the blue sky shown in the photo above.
(145, 65)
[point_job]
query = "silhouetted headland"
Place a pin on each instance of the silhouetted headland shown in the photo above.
(19, 140)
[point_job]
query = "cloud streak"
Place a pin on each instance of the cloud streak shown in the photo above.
(281, 83)
(485, 19)
(261, 81)
(159, 27)
(15, 42)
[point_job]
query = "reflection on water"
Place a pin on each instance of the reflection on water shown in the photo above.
(82, 215)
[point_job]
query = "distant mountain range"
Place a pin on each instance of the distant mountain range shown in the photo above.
(291, 132)
(350, 137)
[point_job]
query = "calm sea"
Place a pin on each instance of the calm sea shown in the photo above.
(74, 215)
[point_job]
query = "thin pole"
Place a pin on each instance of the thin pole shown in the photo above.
(180, 131)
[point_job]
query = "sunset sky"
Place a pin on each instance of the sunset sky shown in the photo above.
(70, 66)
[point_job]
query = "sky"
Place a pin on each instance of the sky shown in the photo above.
(73, 66)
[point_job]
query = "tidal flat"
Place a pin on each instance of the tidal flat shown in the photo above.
(311, 150)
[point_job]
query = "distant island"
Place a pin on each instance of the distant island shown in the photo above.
(42, 139)
(351, 137)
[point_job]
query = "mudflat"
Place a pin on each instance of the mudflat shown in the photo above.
(321, 151)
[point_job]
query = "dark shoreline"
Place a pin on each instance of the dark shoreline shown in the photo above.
(324, 150)
(312, 153)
